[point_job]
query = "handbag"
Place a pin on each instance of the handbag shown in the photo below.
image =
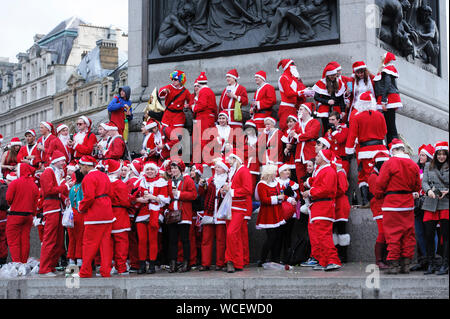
(172, 216)
(237, 112)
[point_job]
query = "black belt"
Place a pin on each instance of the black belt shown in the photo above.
(116, 206)
(398, 193)
(104, 195)
(371, 143)
(175, 111)
(52, 197)
(321, 200)
(347, 158)
(19, 214)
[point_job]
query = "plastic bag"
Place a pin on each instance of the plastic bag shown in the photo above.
(23, 270)
(224, 211)
(67, 219)
(237, 112)
(276, 266)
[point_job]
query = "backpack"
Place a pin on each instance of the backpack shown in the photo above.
(3, 203)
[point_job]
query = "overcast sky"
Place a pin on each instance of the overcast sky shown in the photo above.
(22, 19)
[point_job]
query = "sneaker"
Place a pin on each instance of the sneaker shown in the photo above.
(311, 262)
(332, 267)
(49, 274)
(125, 273)
(318, 267)
(114, 271)
(133, 270)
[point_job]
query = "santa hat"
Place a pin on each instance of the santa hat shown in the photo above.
(270, 119)
(32, 132)
(366, 102)
(199, 169)
(88, 160)
(330, 69)
(309, 106)
(61, 127)
(223, 113)
(136, 167)
(295, 118)
(396, 143)
(233, 73)
(11, 176)
(439, 146)
(178, 163)
(428, 150)
(327, 156)
(283, 167)
(358, 65)
(1, 138)
(234, 154)
(285, 63)
(57, 156)
(113, 166)
(49, 126)
(324, 141)
(219, 163)
(388, 57)
(261, 74)
(86, 120)
(250, 123)
(202, 79)
(72, 166)
(110, 126)
(381, 157)
(15, 141)
(178, 75)
(151, 123)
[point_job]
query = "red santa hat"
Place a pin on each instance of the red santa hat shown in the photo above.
(88, 160)
(151, 123)
(233, 73)
(358, 65)
(283, 167)
(49, 126)
(202, 79)
(250, 123)
(223, 113)
(428, 150)
(178, 163)
(11, 176)
(270, 119)
(235, 153)
(439, 146)
(136, 167)
(110, 126)
(218, 162)
(32, 132)
(15, 141)
(309, 106)
(293, 117)
(388, 58)
(330, 69)
(57, 156)
(366, 102)
(261, 74)
(1, 138)
(60, 127)
(327, 156)
(324, 141)
(381, 157)
(112, 166)
(285, 63)
(72, 166)
(86, 120)
(396, 143)
(199, 169)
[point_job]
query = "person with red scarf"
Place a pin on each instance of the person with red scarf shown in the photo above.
(22, 196)
(232, 94)
(84, 141)
(263, 100)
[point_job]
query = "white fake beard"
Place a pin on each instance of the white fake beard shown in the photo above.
(64, 139)
(220, 180)
(294, 71)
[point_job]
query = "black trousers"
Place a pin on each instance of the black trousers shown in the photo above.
(179, 231)
(286, 238)
(430, 232)
(272, 245)
(389, 117)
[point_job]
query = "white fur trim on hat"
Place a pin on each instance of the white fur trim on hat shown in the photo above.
(47, 126)
(324, 142)
(153, 165)
(151, 125)
(283, 168)
(61, 127)
(85, 120)
(222, 164)
(236, 157)
(109, 128)
(58, 159)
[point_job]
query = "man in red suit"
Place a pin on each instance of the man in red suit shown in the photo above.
(175, 96)
(54, 191)
(116, 145)
(337, 134)
(232, 94)
(263, 100)
(399, 178)
(84, 141)
(29, 153)
(270, 140)
(241, 191)
(98, 218)
(61, 143)
(47, 131)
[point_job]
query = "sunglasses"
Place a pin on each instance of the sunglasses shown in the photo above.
(80, 124)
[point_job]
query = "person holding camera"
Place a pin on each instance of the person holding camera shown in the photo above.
(435, 185)
(84, 141)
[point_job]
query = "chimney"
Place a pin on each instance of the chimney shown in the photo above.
(109, 54)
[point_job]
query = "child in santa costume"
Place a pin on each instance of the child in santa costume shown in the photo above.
(387, 93)
(120, 200)
(399, 178)
(29, 153)
(84, 141)
(22, 196)
(270, 146)
(366, 137)
(175, 96)
(54, 191)
(323, 193)
(98, 218)
(270, 216)
(263, 100)
(234, 93)
(375, 205)
(362, 81)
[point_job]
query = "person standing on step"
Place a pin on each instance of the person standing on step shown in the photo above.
(263, 100)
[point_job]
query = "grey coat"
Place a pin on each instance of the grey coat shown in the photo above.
(439, 179)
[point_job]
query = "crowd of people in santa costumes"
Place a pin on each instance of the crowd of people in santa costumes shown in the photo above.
(162, 209)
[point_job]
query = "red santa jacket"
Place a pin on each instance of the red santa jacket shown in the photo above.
(265, 98)
(307, 133)
(186, 193)
(115, 148)
(84, 144)
(205, 105)
(290, 90)
(320, 87)
(152, 140)
(54, 190)
(342, 204)
(46, 155)
(27, 151)
(367, 126)
(57, 144)
(152, 211)
(212, 201)
(176, 116)
(270, 214)
(227, 104)
(323, 193)
(251, 158)
(399, 178)
(120, 201)
(241, 190)
(273, 147)
(96, 203)
(377, 201)
(289, 158)
(338, 139)
(22, 194)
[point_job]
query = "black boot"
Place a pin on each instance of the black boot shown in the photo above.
(2, 261)
(185, 266)
(404, 265)
(173, 265)
(151, 267)
(142, 267)
(365, 196)
(430, 266)
(394, 267)
(444, 268)
(342, 253)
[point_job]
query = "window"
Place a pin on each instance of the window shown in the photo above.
(75, 101)
(44, 89)
(24, 96)
(61, 108)
(106, 93)
(91, 98)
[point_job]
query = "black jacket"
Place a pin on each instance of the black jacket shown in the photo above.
(385, 86)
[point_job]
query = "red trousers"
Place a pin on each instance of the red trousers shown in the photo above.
(52, 244)
(399, 232)
(75, 249)
(300, 171)
(41, 232)
(322, 232)
(245, 243)
(147, 241)
(219, 232)
(18, 236)
(97, 237)
(380, 238)
(234, 251)
(313, 241)
(283, 112)
(119, 247)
